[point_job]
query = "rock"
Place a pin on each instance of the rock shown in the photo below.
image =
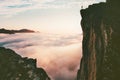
(101, 46)
(14, 67)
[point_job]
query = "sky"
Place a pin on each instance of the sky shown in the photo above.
(50, 16)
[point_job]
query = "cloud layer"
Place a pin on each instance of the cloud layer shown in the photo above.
(59, 55)
(12, 7)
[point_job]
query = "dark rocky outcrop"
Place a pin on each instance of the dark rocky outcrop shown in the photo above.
(101, 46)
(14, 67)
(15, 31)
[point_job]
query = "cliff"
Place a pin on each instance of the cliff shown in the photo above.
(14, 67)
(101, 46)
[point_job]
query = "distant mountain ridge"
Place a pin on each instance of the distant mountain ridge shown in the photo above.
(6, 31)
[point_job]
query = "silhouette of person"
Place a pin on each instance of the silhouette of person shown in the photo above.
(81, 7)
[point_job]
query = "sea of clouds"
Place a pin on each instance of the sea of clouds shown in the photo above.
(58, 54)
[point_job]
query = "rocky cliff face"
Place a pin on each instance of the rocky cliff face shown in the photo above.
(14, 67)
(101, 46)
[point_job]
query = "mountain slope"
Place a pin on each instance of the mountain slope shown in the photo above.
(14, 67)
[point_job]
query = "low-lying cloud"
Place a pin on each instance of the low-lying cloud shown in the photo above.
(59, 55)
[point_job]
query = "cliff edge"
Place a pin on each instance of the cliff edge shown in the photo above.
(14, 67)
(101, 46)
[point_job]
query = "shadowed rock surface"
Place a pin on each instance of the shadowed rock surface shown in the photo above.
(101, 46)
(14, 67)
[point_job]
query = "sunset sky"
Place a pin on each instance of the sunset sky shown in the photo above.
(52, 16)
